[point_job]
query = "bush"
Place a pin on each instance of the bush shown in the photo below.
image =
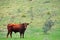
(30, 0)
(47, 26)
(23, 15)
(47, 2)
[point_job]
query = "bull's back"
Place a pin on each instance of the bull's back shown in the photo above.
(14, 27)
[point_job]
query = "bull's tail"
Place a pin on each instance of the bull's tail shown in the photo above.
(7, 26)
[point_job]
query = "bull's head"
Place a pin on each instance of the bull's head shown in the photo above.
(25, 24)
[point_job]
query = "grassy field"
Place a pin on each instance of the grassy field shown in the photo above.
(20, 11)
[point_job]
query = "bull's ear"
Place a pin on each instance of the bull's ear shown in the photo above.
(23, 24)
(27, 23)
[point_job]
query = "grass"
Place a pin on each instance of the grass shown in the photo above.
(33, 33)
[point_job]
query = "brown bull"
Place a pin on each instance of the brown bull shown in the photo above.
(17, 28)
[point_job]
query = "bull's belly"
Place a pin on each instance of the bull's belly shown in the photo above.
(16, 30)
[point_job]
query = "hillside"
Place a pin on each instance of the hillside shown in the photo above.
(35, 11)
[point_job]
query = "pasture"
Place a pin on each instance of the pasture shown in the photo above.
(35, 11)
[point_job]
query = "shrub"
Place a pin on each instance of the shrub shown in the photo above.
(47, 2)
(30, 0)
(47, 26)
(23, 15)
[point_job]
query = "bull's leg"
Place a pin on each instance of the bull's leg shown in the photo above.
(11, 34)
(21, 35)
(8, 34)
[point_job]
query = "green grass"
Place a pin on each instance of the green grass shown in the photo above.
(33, 33)
(12, 11)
